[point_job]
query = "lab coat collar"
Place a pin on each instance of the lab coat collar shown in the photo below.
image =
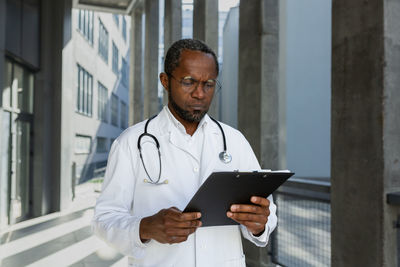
(166, 124)
(210, 144)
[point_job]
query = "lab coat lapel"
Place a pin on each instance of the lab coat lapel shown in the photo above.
(209, 156)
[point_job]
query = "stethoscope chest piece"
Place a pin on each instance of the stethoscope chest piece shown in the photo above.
(225, 157)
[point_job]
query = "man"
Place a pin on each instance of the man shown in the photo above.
(144, 191)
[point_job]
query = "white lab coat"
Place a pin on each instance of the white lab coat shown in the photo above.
(125, 198)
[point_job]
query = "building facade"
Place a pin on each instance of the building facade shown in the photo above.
(64, 77)
(100, 67)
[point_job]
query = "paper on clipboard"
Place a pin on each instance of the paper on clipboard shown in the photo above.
(222, 189)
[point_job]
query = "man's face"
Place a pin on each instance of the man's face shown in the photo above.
(191, 106)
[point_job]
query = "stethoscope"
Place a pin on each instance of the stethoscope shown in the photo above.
(224, 156)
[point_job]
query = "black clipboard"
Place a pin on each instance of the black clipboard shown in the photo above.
(222, 189)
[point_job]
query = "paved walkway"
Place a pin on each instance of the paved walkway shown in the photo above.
(59, 239)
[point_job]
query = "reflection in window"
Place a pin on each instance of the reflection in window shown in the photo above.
(85, 92)
(116, 19)
(103, 41)
(101, 146)
(124, 28)
(114, 110)
(102, 102)
(82, 144)
(115, 58)
(85, 24)
(123, 115)
(124, 73)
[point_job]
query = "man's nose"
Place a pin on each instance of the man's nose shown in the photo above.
(198, 91)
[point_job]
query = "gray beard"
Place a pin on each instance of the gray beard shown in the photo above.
(184, 114)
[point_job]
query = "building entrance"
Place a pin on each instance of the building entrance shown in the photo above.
(17, 145)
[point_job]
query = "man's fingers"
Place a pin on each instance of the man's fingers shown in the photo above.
(179, 232)
(249, 209)
(177, 215)
(239, 216)
(262, 201)
(182, 224)
(189, 216)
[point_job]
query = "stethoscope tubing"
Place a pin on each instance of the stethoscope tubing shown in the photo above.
(224, 156)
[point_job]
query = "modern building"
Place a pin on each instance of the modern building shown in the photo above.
(64, 76)
(100, 65)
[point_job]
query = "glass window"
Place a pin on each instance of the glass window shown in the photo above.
(102, 102)
(114, 110)
(101, 144)
(124, 28)
(83, 144)
(115, 58)
(125, 73)
(103, 42)
(116, 19)
(123, 115)
(85, 24)
(85, 92)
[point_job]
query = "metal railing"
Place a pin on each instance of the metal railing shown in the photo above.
(302, 237)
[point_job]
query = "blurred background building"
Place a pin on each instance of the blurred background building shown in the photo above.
(313, 85)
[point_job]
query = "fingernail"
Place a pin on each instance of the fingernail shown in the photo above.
(198, 215)
(233, 208)
(229, 214)
(253, 199)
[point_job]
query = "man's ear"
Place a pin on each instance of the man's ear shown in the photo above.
(164, 80)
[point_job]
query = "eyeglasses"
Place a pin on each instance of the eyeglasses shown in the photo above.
(190, 84)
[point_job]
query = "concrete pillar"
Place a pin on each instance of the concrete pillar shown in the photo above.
(205, 28)
(136, 70)
(68, 102)
(172, 28)
(365, 131)
(52, 148)
(2, 47)
(151, 102)
(259, 97)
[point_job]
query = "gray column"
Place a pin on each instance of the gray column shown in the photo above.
(151, 102)
(365, 131)
(205, 22)
(52, 177)
(2, 47)
(259, 97)
(136, 70)
(205, 28)
(172, 27)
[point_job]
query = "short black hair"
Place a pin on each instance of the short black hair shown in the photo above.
(174, 53)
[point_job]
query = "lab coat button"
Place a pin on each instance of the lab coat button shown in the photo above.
(196, 169)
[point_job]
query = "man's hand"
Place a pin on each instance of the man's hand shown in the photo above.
(254, 217)
(169, 226)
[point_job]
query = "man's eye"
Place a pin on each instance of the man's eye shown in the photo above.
(187, 82)
(210, 84)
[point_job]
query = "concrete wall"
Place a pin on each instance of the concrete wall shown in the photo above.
(365, 132)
